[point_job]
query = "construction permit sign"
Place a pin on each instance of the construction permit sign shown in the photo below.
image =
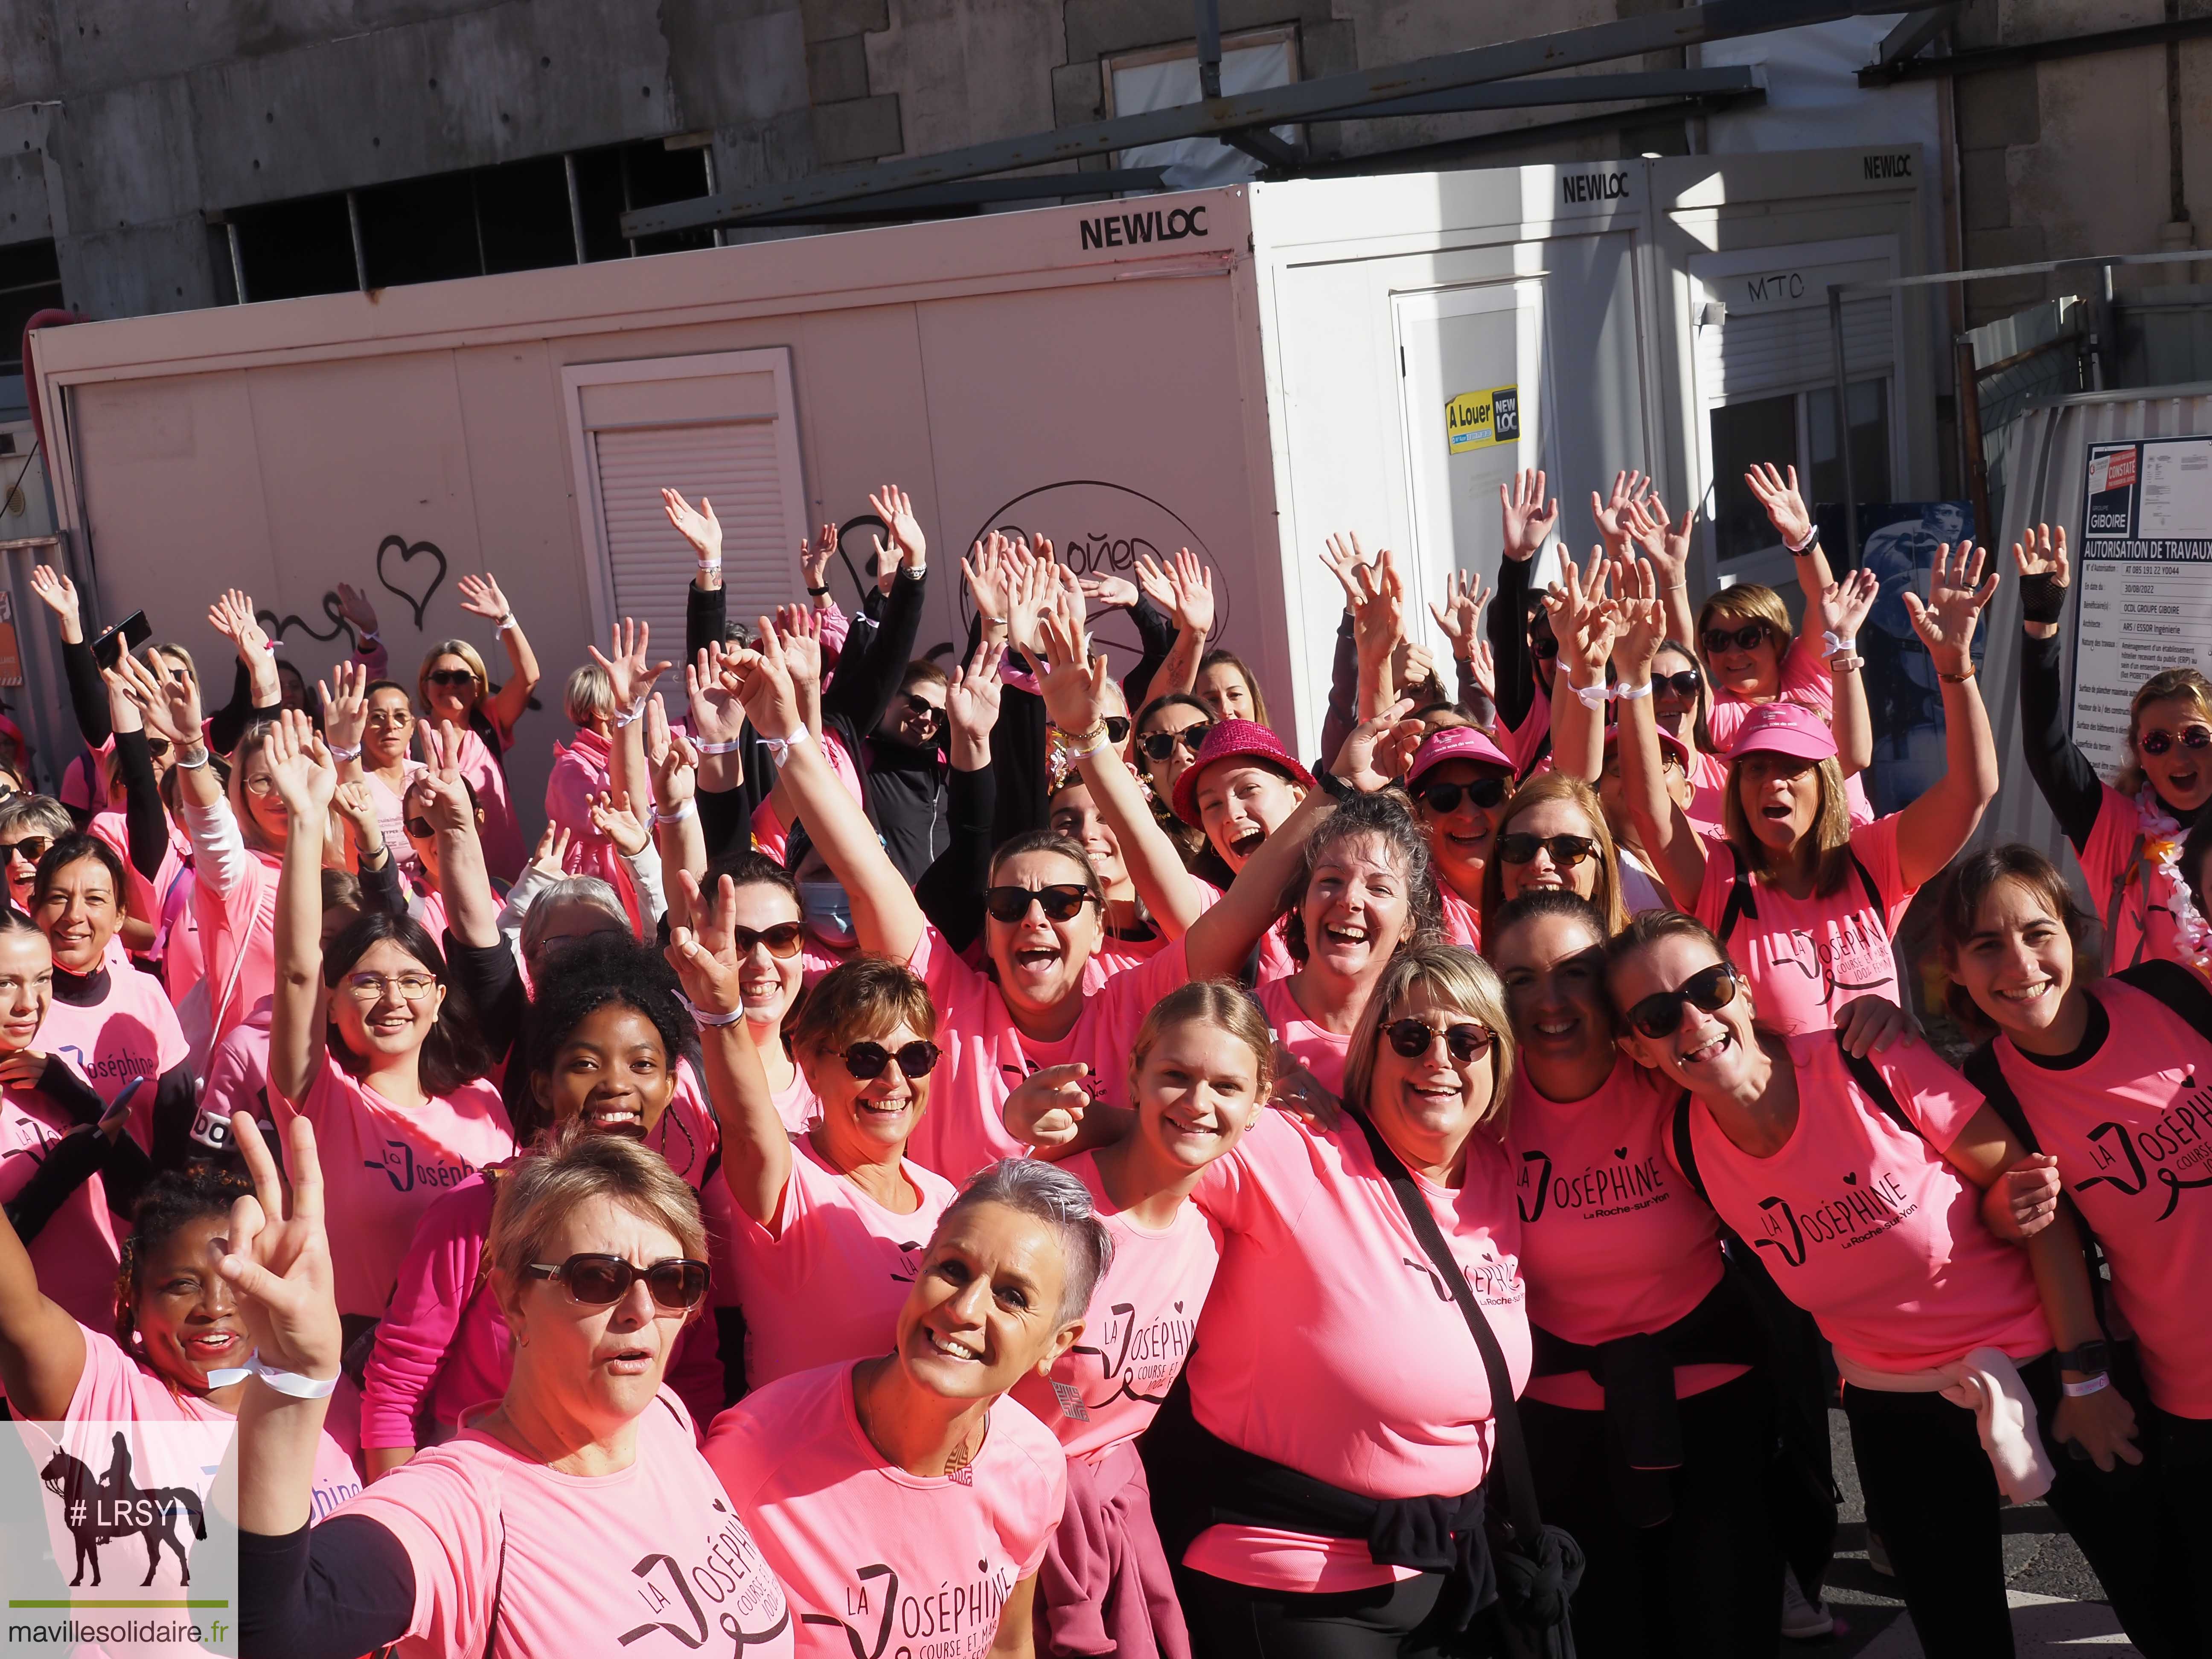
(1477, 420)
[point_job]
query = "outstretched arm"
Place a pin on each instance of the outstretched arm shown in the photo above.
(305, 781)
(1674, 847)
(2069, 784)
(1776, 491)
(1842, 608)
(1584, 622)
(41, 1346)
(481, 596)
(1937, 824)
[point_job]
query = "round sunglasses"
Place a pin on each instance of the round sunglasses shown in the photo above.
(1464, 1041)
(1746, 638)
(1660, 1015)
(1159, 745)
(1488, 793)
(598, 1280)
(1059, 901)
(1566, 851)
(867, 1060)
(2190, 737)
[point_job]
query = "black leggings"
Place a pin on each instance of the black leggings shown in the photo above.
(1236, 1621)
(1705, 1584)
(1922, 1464)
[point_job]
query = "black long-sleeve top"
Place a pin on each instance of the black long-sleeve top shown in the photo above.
(176, 1091)
(1507, 626)
(1156, 632)
(950, 891)
(335, 1591)
(2060, 769)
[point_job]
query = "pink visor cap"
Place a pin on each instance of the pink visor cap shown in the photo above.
(1783, 728)
(1233, 740)
(1466, 743)
(1669, 744)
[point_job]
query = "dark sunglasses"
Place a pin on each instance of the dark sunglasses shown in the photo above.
(1746, 638)
(1161, 744)
(453, 677)
(782, 939)
(1545, 645)
(1411, 1038)
(1661, 1015)
(30, 849)
(2191, 736)
(924, 710)
(157, 747)
(1117, 729)
(1059, 901)
(866, 1060)
(598, 1280)
(419, 827)
(1566, 851)
(1489, 793)
(1684, 684)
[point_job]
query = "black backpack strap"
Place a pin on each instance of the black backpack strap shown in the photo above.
(1685, 1153)
(2179, 988)
(1522, 1520)
(1741, 902)
(1983, 1071)
(1868, 1076)
(1873, 888)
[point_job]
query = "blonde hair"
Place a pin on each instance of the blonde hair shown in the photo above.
(1454, 975)
(590, 696)
(2167, 685)
(1824, 854)
(1748, 602)
(468, 654)
(250, 743)
(577, 1166)
(1221, 1003)
(1557, 786)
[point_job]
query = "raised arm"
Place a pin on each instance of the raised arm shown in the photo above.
(306, 780)
(473, 910)
(1842, 608)
(1528, 524)
(169, 703)
(1614, 513)
(676, 832)
(41, 1347)
(2069, 784)
(867, 677)
(1459, 618)
(1776, 491)
(145, 818)
(1193, 611)
(481, 596)
(631, 672)
(1676, 852)
(1584, 622)
(1938, 823)
(950, 891)
(232, 616)
(1667, 544)
(58, 594)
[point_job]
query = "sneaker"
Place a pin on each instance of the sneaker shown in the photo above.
(1804, 1621)
(1878, 1555)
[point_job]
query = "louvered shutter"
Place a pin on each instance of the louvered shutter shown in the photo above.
(1752, 353)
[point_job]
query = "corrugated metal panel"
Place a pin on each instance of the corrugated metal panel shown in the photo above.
(1753, 352)
(2046, 455)
(731, 464)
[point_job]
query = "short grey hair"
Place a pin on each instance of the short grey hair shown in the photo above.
(1035, 1188)
(568, 890)
(590, 694)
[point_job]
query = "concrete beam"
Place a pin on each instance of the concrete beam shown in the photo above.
(1664, 30)
(974, 193)
(1732, 81)
(2023, 53)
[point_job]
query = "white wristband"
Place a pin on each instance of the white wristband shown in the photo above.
(779, 747)
(1812, 540)
(699, 1016)
(626, 717)
(726, 745)
(504, 624)
(1832, 642)
(292, 1382)
(2087, 1385)
(1594, 697)
(191, 765)
(1628, 693)
(687, 809)
(344, 754)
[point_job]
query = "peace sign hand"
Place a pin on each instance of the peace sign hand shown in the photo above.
(279, 1262)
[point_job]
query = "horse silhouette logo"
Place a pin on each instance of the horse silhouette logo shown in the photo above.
(99, 1509)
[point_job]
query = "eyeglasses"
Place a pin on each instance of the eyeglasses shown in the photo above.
(157, 747)
(598, 1280)
(1488, 793)
(391, 717)
(782, 939)
(1465, 1043)
(453, 677)
(1566, 851)
(30, 849)
(1159, 745)
(923, 710)
(1546, 646)
(1661, 1015)
(1746, 638)
(371, 987)
(1684, 684)
(1059, 901)
(260, 784)
(866, 1060)
(2190, 737)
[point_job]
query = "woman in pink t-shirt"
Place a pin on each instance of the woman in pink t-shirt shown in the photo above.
(1806, 904)
(2107, 1082)
(1859, 1183)
(907, 1493)
(455, 687)
(1650, 1433)
(577, 1515)
(1551, 834)
(1459, 781)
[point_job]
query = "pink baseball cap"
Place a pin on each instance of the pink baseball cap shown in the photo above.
(1668, 744)
(1234, 740)
(1783, 728)
(1467, 743)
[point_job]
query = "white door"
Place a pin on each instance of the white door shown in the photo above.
(1472, 398)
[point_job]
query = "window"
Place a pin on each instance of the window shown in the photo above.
(1797, 429)
(1165, 78)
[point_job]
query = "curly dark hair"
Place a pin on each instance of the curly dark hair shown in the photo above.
(455, 1051)
(586, 975)
(1385, 816)
(171, 1200)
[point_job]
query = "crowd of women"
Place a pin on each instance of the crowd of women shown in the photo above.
(931, 1161)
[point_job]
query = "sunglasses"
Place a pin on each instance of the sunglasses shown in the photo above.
(157, 747)
(1566, 851)
(924, 710)
(419, 827)
(1546, 646)
(1746, 638)
(1059, 901)
(1661, 1015)
(1159, 745)
(1684, 684)
(30, 849)
(2190, 737)
(782, 939)
(866, 1060)
(453, 677)
(598, 1280)
(1411, 1039)
(1488, 793)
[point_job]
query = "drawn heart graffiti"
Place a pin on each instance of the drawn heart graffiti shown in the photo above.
(407, 552)
(277, 626)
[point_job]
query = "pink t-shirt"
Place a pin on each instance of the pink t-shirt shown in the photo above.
(131, 1033)
(1313, 1045)
(771, 835)
(2132, 1128)
(1330, 1346)
(1520, 743)
(828, 1285)
(1462, 920)
(1113, 955)
(1106, 1389)
(1805, 958)
(384, 1166)
(238, 940)
(1274, 960)
(500, 832)
(650, 1560)
(985, 1056)
(1708, 794)
(116, 1388)
(2138, 924)
(391, 819)
(1805, 680)
(870, 1555)
(1613, 1241)
(1865, 1225)
(76, 1253)
(144, 899)
(237, 1075)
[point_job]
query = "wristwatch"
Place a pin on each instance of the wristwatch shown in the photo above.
(2090, 1358)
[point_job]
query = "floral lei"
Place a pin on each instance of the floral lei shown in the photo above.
(2168, 889)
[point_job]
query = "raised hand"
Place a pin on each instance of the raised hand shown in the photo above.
(480, 597)
(1193, 592)
(1482, 669)
(1584, 618)
(1357, 758)
(1957, 592)
(551, 859)
(1033, 588)
(801, 627)
(674, 761)
(697, 525)
(1152, 580)
(345, 710)
(1639, 618)
(897, 511)
(438, 787)
(2043, 575)
(813, 557)
(1107, 593)
(1046, 1108)
(1777, 492)
(359, 614)
(1346, 558)
(617, 823)
(1072, 683)
(1666, 545)
(58, 594)
(704, 956)
(629, 671)
(1378, 608)
(1613, 511)
(300, 766)
(717, 715)
(232, 617)
(358, 809)
(972, 694)
(1460, 616)
(1842, 605)
(1529, 522)
(763, 685)
(166, 696)
(279, 1259)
